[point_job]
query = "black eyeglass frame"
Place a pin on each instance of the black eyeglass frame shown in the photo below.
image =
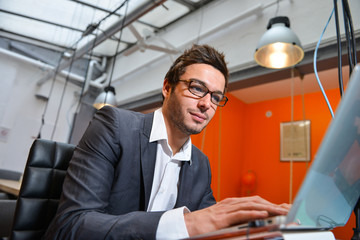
(189, 81)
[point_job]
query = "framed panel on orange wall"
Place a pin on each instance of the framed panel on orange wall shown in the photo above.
(295, 141)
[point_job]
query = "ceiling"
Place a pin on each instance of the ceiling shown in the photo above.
(71, 24)
(108, 28)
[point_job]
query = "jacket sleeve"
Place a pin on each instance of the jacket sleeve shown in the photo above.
(83, 208)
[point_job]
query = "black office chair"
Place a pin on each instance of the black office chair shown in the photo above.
(41, 188)
(7, 204)
(7, 210)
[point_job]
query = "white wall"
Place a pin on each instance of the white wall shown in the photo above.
(21, 112)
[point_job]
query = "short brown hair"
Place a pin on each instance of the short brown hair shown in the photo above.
(197, 54)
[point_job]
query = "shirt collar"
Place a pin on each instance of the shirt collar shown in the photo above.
(158, 133)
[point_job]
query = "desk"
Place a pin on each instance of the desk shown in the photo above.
(263, 233)
(10, 186)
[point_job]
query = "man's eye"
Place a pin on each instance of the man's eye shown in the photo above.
(197, 88)
(217, 98)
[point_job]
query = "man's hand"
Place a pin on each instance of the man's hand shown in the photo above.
(231, 211)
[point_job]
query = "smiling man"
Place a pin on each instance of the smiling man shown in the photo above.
(138, 176)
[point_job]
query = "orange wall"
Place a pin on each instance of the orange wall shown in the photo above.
(248, 140)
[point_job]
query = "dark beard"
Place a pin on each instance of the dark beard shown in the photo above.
(178, 119)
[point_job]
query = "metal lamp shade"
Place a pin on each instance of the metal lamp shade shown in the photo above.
(279, 47)
(107, 97)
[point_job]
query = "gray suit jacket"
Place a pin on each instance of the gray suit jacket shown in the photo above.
(108, 184)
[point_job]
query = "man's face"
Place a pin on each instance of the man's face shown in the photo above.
(186, 112)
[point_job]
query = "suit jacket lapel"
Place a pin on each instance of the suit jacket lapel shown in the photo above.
(148, 157)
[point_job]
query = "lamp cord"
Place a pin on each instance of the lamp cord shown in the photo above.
(62, 96)
(219, 154)
(50, 94)
(118, 43)
(315, 66)
(349, 35)
(292, 136)
(117, 46)
(304, 120)
(338, 39)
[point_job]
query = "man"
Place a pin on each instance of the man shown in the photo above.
(137, 176)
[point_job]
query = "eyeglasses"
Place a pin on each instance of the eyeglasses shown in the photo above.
(200, 90)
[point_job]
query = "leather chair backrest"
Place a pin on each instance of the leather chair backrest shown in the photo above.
(41, 188)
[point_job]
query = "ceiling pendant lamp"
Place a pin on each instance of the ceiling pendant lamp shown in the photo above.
(279, 47)
(106, 98)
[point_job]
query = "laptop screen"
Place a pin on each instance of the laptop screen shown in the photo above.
(331, 188)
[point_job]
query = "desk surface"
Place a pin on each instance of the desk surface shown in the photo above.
(10, 186)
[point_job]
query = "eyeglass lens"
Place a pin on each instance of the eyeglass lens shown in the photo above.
(201, 90)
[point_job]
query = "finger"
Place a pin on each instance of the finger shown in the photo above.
(256, 199)
(271, 209)
(244, 216)
(286, 206)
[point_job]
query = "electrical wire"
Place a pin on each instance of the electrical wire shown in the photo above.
(349, 31)
(291, 165)
(219, 155)
(277, 8)
(304, 120)
(87, 31)
(338, 40)
(53, 84)
(62, 96)
(50, 93)
(81, 95)
(348, 39)
(118, 45)
(315, 66)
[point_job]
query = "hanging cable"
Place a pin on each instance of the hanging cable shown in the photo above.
(118, 43)
(107, 97)
(338, 39)
(86, 73)
(94, 26)
(292, 137)
(50, 93)
(219, 156)
(315, 66)
(200, 25)
(350, 39)
(277, 8)
(88, 31)
(70, 48)
(304, 120)
(62, 96)
(53, 83)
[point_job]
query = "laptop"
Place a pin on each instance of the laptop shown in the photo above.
(331, 187)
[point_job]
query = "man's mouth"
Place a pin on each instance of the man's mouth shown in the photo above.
(199, 117)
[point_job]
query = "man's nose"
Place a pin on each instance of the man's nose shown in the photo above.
(205, 102)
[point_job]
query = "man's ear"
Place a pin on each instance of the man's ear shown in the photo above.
(166, 88)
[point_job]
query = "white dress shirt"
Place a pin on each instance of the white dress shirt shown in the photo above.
(166, 181)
